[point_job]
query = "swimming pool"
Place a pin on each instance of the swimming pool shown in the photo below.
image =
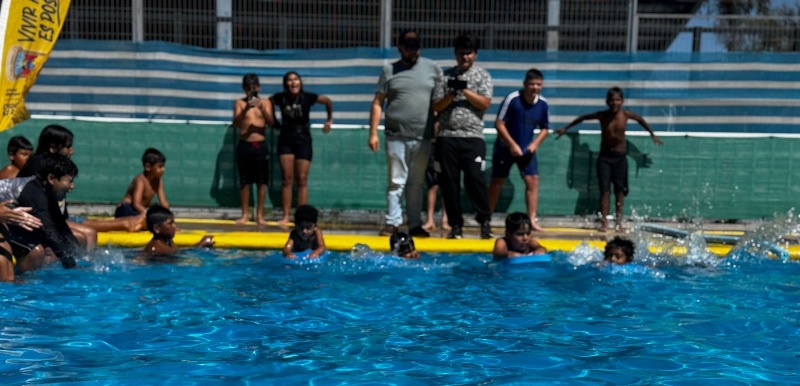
(240, 316)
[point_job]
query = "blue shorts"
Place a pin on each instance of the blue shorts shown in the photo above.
(125, 210)
(502, 161)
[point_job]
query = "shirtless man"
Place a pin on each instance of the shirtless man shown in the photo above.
(251, 116)
(612, 164)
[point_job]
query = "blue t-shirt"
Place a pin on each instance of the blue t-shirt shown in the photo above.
(522, 118)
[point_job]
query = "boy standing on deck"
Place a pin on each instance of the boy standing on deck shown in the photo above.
(612, 163)
(251, 116)
(145, 186)
(522, 111)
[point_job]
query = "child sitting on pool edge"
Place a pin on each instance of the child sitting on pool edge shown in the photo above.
(161, 223)
(306, 235)
(402, 245)
(518, 240)
(619, 251)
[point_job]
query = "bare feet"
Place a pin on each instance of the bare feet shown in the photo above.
(243, 220)
(445, 226)
(429, 226)
(261, 221)
(283, 221)
(536, 227)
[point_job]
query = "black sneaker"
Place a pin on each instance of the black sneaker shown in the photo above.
(486, 231)
(418, 232)
(455, 233)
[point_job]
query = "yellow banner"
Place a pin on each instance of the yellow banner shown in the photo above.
(29, 29)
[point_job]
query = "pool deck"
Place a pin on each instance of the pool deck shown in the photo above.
(344, 229)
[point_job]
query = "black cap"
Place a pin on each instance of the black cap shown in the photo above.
(410, 43)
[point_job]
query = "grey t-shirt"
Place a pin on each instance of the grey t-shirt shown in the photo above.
(461, 119)
(409, 112)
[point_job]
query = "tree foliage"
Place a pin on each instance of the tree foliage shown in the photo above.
(758, 25)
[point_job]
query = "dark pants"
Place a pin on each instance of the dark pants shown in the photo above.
(455, 155)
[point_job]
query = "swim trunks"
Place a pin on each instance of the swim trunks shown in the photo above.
(252, 158)
(125, 210)
(502, 160)
(612, 167)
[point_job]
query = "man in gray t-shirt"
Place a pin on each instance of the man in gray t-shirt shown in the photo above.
(406, 87)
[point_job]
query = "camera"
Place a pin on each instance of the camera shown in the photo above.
(457, 84)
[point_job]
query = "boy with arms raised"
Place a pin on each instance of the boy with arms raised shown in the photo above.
(145, 186)
(251, 116)
(612, 163)
(522, 111)
(19, 150)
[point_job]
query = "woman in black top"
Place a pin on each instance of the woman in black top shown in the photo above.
(294, 140)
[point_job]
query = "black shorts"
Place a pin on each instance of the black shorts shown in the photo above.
(252, 158)
(300, 149)
(22, 241)
(612, 168)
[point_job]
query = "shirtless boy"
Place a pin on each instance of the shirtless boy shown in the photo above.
(612, 164)
(19, 150)
(251, 116)
(145, 186)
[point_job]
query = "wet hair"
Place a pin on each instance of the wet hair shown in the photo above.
(614, 91)
(286, 78)
(533, 74)
(17, 143)
(153, 156)
(57, 165)
(157, 215)
(249, 80)
(53, 138)
(625, 245)
(401, 243)
(515, 221)
(305, 214)
(467, 41)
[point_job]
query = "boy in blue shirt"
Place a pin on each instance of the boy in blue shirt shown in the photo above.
(520, 114)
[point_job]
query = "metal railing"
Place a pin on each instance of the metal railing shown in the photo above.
(519, 25)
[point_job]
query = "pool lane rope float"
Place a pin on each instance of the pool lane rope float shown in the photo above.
(773, 248)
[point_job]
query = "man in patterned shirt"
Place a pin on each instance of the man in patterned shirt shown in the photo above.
(461, 97)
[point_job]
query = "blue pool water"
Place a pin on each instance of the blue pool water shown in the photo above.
(251, 317)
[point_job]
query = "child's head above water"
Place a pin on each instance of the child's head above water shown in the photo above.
(619, 251)
(157, 217)
(305, 214)
(402, 245)
(518, 221)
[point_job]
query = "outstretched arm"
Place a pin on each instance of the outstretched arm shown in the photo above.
(576, 121)
(637, 118)
(287, 249)
(329, 109)
(162, 197)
